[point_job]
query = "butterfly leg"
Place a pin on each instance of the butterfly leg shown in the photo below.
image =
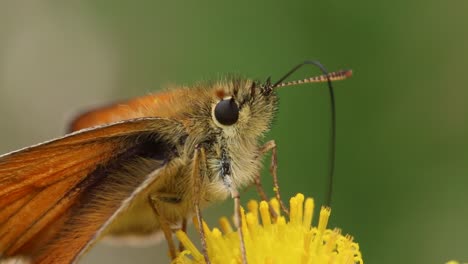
(238, 222)
(260, 190)
(184, 229)
(258, 182)
(165, 227)
(271, 146)
(199, 157)
(263, 195)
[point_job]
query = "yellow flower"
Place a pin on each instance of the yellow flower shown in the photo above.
(277, 241)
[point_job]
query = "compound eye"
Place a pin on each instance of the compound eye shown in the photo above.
(227, 112)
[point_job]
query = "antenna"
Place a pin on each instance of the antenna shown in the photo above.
(334, 76)
(325, 77)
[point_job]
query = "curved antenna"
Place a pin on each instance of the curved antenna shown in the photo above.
(326, 77)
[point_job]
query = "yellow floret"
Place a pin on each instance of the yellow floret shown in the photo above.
(275, 241)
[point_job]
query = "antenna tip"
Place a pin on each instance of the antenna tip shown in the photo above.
(348, 73)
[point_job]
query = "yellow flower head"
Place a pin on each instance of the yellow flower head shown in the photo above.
(296, 241)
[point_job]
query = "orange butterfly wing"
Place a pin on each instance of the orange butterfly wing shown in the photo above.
(54, 197)
(158, 104)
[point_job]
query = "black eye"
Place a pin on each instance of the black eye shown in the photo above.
(227, 112)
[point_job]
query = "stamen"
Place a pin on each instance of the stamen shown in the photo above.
(252, 205)
(300, 207)
(293, 204)
(276, 207)
(265, 214)
(183, 238)
(252, 223)
(309, 213)
(322, 225)
(225, 225)
(323, 220)
(306, 254)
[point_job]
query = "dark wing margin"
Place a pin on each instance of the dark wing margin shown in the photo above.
(57, 197)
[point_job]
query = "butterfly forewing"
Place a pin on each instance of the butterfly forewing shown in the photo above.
(65, 191)
(157, 104)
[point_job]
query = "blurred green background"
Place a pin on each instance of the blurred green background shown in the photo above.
(401, 169)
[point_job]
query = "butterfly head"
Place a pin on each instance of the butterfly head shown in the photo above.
(240, 106)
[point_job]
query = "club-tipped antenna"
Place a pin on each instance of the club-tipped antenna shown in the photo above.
(334, 76)
(325, 77)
